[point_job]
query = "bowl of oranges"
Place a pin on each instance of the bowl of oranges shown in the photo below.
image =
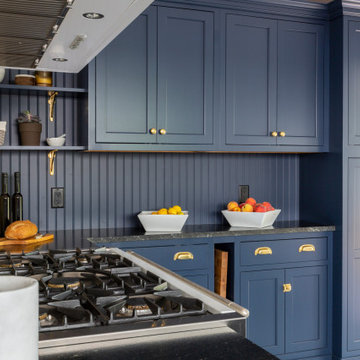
(170, 219)
(250, 214)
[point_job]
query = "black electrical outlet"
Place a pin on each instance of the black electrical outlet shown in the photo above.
(243, 193)
(57, 197)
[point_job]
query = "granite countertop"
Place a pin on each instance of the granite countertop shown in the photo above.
(227, 346)
(204, 231)
(85, 239)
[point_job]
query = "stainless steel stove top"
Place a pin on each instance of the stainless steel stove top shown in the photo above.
(106, 295)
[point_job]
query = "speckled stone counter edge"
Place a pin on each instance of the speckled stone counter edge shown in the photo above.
(208, 234)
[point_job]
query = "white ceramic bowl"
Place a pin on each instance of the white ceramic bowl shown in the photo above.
(162, 222)
(251, 219)
(56, 141)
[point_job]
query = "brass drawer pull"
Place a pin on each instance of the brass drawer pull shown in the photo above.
(183, 255)
(153, 131)
(287, 288)
(263, 251)
(307, 248)
(274, 134)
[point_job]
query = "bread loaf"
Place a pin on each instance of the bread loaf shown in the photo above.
(20, 230)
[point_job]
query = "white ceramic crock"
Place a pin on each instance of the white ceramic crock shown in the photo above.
(19, 318)
(2, 73)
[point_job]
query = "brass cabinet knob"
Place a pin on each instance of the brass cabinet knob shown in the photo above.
(162, 131)
(153, 131)
(282, 133)
(287, 288)
(274, 134)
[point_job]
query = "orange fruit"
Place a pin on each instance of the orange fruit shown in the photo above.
(177, 208)
(163, 211)
(231, 205)
(236, 209)
(172, 211)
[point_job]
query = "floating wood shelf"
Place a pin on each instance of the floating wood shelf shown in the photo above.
(42, 148)
(41, 88)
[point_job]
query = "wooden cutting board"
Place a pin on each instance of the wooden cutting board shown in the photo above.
(46, 237)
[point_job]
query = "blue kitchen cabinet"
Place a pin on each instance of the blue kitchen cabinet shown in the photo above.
(287, 289)
(185, 76)
(125, 85)
(354, 82)
(300, 88)
(306, 309)
(274, 75)
(261, 294)
(250, 76)
(154, 82)
(192, 261)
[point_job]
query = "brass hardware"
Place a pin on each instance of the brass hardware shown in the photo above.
(263, 251)
(287, 288)
(183, 255)
(274, 133)
(306, 247)
(153, 131)
(162, 131)
(51, 156)
(282, 133)
(51, 102)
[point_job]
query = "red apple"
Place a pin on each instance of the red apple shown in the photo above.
(259, 208)
(250, 201)
(268, 206)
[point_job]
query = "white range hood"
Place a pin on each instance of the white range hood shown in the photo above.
(92, 34)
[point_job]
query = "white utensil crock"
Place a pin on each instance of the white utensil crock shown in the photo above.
(19, 318)
(2, 73)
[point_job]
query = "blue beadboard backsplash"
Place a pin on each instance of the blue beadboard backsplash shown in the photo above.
(109, 189)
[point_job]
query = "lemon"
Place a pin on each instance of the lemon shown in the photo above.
(177, 208)
(180, 213)
(163, 211)
(172, 211)
(154, 213)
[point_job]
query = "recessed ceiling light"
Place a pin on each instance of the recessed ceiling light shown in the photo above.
(93, 15)
(59, 59)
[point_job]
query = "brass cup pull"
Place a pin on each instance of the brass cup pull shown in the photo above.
(274, 133)
(263, 251)
(153, 131)
(282, 133)
(183, 255)
(287, 288)
(162, 131)
(51, 102)
(307, 248)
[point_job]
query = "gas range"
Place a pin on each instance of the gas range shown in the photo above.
(104, 295)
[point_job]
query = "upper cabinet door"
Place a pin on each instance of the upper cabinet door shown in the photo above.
(300, 83)
(250, 75)
(126, 84)
(185, 76)
(354, 83)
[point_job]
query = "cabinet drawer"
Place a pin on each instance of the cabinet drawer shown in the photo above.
(178, 257)
(283, 251)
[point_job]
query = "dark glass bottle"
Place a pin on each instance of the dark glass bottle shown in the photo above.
(17, 200)
(4, 204)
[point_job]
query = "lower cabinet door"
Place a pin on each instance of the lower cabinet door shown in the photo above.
(200, 278)
(261, 293)
(306, 309)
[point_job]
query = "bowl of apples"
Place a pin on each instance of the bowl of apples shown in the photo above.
(250, 214)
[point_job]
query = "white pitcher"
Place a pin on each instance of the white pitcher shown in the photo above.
(19, 318)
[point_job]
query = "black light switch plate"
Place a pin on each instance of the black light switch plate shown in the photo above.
(243, 193)
(57, 197)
